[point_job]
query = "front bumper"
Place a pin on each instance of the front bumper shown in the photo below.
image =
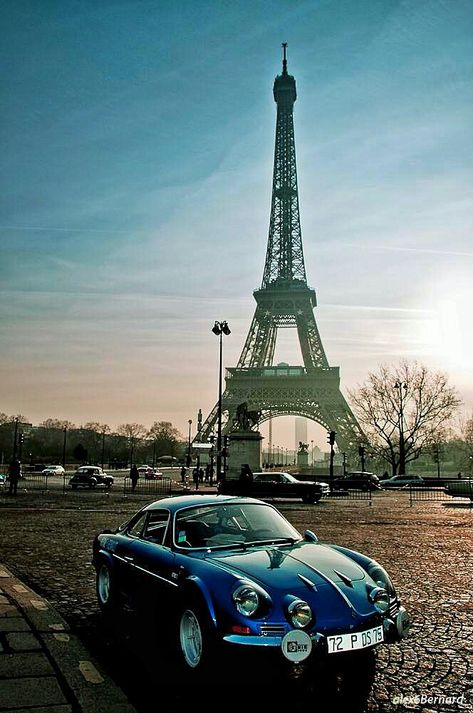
(396, 627)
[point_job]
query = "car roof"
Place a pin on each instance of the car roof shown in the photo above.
(183, 501)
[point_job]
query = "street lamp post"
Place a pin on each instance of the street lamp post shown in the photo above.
(312, 452)
(402, 387)
(103, 449)
(64, 441)
(219, 329)
(15, 439)
(188, 459)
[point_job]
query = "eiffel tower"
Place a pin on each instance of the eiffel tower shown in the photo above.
(285, 300)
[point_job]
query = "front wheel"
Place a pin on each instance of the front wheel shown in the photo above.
(195, 639)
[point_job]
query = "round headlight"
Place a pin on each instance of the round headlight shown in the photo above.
(382, 579)
(300, 614)
(246, 600)
(380, 599)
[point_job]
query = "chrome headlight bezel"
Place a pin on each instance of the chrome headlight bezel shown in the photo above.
(382, 579)
(380, 598)
(300, 614)
(246, 600)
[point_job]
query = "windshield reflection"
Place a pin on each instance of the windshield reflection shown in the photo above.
(242, 525)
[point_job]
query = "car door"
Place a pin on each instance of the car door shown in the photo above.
(264, 486)
(287, 488)
(154, 561)
(123, 555)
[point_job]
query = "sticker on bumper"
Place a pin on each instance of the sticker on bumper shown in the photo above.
(296, 646)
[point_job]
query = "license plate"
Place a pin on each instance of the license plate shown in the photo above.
(357, 640)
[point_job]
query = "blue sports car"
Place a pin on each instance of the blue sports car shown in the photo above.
(226, 571)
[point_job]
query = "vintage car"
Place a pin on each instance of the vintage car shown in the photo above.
(149, 473)
(275, 484)
(460, 488)
(232, 573)
(90, 476)
(53, 470)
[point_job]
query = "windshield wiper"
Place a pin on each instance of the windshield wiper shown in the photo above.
(273, 541)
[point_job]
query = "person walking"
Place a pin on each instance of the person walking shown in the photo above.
(195, 477)
(183, 474)
(14, 472)
(134, 475)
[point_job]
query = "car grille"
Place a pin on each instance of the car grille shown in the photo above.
(272, 629)
(393, 608)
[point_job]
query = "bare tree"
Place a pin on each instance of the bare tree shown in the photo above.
(165, 438)
(404, 409)
(467, 443)
(132, 432)
(57, 423)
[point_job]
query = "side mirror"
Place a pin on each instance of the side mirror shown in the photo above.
(310, 536)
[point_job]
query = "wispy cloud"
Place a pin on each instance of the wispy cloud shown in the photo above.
(398, 248)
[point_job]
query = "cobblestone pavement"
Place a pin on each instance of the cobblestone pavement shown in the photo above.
(427, 549)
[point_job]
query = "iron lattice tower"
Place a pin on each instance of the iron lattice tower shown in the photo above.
(285, 300)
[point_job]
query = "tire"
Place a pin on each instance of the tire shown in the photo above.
(196, 643)
(309, 498)
(105, 588)
(92, 484)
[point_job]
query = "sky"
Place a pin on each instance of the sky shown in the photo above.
(136, 168)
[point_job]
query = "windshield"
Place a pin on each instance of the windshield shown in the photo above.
(230, 525)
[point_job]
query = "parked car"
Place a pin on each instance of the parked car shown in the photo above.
(233, 572)
(149, 473)
(460, 488)
(275, 485)
(357, 480)
(3, 480)
(90, 476)
(403, 481)
(53, 470)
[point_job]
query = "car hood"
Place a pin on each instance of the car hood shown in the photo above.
(284, 567)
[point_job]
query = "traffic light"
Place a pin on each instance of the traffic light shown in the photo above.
(331, 437)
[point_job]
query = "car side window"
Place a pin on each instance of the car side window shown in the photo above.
(156, 525)
(136, 528)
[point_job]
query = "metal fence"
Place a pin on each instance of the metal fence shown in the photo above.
(51, 485)
(441, 494)
(156, 488)
(352, 494)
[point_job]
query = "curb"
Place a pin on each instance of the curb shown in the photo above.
(44, 668)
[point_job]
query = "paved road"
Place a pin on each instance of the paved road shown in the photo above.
(427, 549)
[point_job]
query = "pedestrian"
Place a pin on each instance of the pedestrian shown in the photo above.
(201, 475)
(207, 473)
(246, 479)
(14, 472)
(183, 474)
(195, 477)
(460, 475)
(134, 475)
(211, 475)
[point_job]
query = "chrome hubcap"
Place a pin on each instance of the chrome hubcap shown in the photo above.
(104, 584)
(191, 638)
